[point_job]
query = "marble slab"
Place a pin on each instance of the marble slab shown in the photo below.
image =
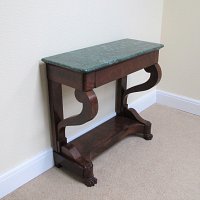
(100, 56)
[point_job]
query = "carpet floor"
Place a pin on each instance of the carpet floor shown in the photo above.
(165, 168)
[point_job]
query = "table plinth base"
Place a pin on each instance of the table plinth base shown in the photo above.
(77, 155)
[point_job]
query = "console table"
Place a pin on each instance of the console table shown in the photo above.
(84, 70)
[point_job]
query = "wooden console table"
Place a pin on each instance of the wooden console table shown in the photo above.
(84, 70)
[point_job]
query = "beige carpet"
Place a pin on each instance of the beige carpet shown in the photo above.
(166, 168)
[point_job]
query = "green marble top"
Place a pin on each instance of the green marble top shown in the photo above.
(100, 56)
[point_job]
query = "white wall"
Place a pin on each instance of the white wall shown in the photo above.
(180, 58)
(33, 29)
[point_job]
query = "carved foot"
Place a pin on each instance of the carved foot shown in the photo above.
(148, 136)
(88, 175)
(147, 131)
(90, 181)
(85, 166)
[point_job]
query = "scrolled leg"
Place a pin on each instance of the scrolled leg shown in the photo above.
(155, 76)
(89, 111)
(122, 93)
(66, 154)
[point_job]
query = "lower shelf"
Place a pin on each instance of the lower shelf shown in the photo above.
(105, 135)
(77, 155)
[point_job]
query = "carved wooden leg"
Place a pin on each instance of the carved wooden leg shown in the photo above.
(121, 86)
(79, 166)
(88, 175)
(122, 94)
(133, 114)
(70, 154)
(89, 111)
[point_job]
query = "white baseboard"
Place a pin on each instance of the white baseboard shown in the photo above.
(144, 102)
(25, 172)
(179, 102)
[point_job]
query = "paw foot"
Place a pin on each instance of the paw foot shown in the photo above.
(90, 181)
(148, 136)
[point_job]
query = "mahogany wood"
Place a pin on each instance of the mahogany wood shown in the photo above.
(77, 155)
(121, 70)
(155, 76)
(82, 150)
(89, 111)
(121, 86)
(105, 135)
(77, 80)
(56, 112)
